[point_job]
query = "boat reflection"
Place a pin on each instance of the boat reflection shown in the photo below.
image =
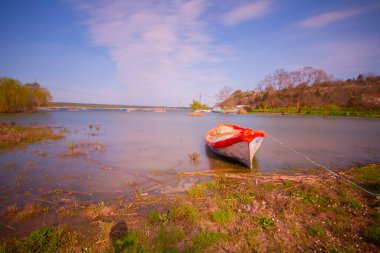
(220, 163)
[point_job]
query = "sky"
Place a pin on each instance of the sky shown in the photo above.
(170, 52)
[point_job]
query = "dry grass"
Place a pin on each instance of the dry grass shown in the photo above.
(14, 214)
(244, 213)
(194, 157)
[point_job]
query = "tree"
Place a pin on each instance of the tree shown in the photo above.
(15, 97)
(196, 105)
(10, 93)
(281, 78)
(39, 96)
(224, 93)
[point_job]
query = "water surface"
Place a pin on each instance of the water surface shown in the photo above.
(144, 150)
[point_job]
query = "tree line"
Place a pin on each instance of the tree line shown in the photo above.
(18, 97)
(306, 88)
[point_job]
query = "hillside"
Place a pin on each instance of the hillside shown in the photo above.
(361, 93)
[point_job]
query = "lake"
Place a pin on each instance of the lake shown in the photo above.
(144, 150)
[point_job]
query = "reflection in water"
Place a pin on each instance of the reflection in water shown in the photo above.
(255, 166)
(145, 150)
(222, 163)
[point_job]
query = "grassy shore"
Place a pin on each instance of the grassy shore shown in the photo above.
(227, 212)
(19, 136)
(322, 112)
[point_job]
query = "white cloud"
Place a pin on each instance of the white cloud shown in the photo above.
(157, 46)
(246, 12)
(335, 16)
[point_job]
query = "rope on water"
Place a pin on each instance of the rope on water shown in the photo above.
(324, 167)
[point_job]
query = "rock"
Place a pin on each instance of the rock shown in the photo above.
(118, 230)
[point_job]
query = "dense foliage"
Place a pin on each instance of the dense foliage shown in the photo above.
(309, 88)
(197, 105)
(16, 97)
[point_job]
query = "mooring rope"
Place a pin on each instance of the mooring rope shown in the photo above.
(324, 167)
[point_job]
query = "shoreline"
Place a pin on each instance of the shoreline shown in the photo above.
(315, 113)
(212, 211)
(227, 211)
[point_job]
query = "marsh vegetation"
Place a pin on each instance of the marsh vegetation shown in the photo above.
(115, 191)
(229, 212)
(16, 136)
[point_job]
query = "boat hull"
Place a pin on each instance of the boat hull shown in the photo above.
(242, 151)
(235, 142)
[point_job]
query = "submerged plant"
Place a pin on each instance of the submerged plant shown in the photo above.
(194, 157)
(14, 136)
(70, 146)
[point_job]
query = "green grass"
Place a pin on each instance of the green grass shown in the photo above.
(288, 184)
(185, 212)
(42, 240)
(167, 238)
(129, 242)
(236, 216)
(200, 190)
(341, 250)
(155, 216)
(197, 191)
(265, 222)
(311, 195)
(212, 185)
(317, 231)
(204, 240)
(243, 197)
(330, 111)
(9, 247)
(368, 173)
(351, 203)
(368, 177)
(372, 233)
(222, 217)
(268, 186)
(45, 240)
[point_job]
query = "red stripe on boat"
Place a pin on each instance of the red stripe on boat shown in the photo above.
(245, 134)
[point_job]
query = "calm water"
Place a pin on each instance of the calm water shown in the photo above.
(144, 150)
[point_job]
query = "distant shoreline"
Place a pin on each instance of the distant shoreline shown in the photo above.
(103, 106)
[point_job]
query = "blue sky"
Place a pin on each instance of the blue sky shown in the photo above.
(168, 52)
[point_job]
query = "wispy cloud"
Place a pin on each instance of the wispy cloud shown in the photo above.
(159, 47)
(328, 18)
(246, 12)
